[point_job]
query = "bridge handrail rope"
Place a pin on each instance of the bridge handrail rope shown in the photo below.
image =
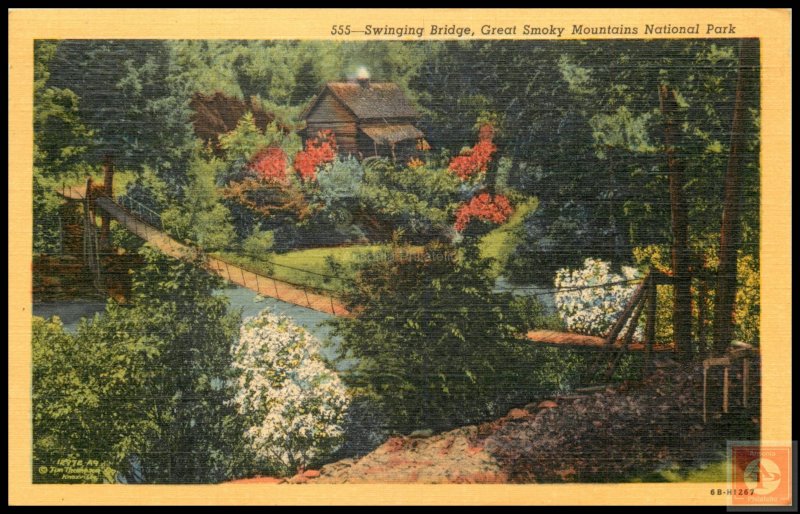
(140, 209)
(313, 289)
(643, 296)
(579, 288)
(147, 226)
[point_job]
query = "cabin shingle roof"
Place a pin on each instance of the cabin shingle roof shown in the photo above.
(392, 133)
(378, 100)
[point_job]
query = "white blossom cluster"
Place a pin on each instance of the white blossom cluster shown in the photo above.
(594, 310)
(295, 404)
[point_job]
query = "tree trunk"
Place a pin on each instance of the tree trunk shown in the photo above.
(731, 224)
(486, 133)
(682, 310)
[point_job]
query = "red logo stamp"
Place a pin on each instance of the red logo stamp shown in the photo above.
(760, 474)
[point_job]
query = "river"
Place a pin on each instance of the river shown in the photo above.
(71, 312)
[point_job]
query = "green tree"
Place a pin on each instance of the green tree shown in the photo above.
(178, 302)
(60, 138)
(435, 345)
(259, 244)
(602, 184)
(143, 388)
(89, 399)
(201, 217)
(246, 140)
(60, 141)
(128, 100)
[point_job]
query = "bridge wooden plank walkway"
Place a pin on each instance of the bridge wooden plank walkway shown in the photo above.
(263, 285)
(568, 339)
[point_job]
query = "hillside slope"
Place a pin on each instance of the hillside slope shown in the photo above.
(615, 434)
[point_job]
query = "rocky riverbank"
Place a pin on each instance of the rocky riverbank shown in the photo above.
(612, 434)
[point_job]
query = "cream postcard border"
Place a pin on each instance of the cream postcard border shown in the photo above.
(771, 26)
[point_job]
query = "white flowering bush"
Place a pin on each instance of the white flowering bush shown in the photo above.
(294, 404)
(593, 311)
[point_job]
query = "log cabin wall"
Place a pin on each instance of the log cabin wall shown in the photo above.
(365, 118)
(330, 114)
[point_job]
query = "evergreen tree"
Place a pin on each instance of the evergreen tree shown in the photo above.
(126, 97)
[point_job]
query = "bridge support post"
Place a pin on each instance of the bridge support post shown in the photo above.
(90, 245)
(702, 294)
(108, 190)
(714, 365)
(650, 326)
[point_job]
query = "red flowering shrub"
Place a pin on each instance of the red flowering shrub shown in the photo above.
(483, 207)
(473, 162)
(318, 151)
(270, 165)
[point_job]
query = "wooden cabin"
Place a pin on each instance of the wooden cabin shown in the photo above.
(367, 118)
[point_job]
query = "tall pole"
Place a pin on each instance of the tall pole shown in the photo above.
(108, 190)
(730, 231)
(682, 279)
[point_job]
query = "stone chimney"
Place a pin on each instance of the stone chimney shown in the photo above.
(362, 77)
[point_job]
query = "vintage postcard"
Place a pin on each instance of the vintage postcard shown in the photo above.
(400, 257)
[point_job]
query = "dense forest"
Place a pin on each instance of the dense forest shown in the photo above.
(545, 164)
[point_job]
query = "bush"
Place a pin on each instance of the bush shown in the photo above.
(473, 162)
(294, 405)
(201, 217)
(66, 398)
(364, 428)
(142, 388)
(340, 180)
(593, 311)
(336, 200)
(46, 236)
(270, 164)
(418, 201)
(747, 314)
(485, 208)
(437, 348)
(318, 151)
(259, 244)
(213, 229)
(246, 139)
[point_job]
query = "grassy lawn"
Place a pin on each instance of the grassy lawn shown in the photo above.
(500, 242)
(313, 261)
(716, 472)
(497, 244)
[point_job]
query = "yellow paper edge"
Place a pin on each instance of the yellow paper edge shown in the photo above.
(772, 26)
